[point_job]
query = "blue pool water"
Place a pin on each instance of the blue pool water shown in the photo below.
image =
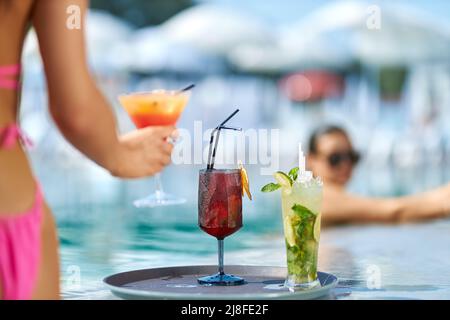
(101, 233)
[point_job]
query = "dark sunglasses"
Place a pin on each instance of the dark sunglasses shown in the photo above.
(336, 158)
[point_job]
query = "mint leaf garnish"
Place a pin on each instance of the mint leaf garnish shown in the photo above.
(293, 173)
(302, 211)
(270, 187)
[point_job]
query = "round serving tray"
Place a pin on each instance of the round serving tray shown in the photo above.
(181, 283)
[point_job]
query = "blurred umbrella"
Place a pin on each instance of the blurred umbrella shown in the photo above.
(281, 58)
(105, 34)
(257, 59)
(336, 35)
(299, 45)
(104, 29)
(152, 51)
(405, 35)
(215, 29)
(321, 39)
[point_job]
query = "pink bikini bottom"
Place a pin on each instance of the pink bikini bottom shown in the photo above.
(20, 248)
(20, 239)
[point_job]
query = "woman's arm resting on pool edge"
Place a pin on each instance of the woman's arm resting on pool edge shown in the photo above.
(342, 207)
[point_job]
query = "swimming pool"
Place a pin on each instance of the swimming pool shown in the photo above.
(101, 233)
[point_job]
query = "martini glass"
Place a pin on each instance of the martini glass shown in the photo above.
(155, 108)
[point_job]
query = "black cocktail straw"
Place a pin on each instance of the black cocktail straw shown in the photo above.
(212, 152)
(189, 87)
(231, 128)
(229, 117)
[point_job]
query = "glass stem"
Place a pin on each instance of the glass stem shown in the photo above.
(158, 185)
(220, 243)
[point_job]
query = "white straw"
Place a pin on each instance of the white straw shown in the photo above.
(301, 159)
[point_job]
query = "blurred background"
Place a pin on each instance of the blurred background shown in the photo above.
(381, 69)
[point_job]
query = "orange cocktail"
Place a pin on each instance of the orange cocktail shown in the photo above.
(155, 108)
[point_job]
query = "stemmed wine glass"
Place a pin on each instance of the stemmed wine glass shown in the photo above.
(220, 206)
(220, 214)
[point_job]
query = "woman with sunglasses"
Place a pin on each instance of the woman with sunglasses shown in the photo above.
(332, 157)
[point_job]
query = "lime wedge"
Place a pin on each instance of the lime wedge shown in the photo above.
(283, 179)
(289, 231)
(317, 228)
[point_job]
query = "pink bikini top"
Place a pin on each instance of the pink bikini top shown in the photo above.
(8, 76)
(12, 133)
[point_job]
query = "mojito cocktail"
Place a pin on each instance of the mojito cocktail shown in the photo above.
(301, 222)
(301, 200)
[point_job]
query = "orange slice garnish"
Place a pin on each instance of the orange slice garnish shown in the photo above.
(245, 184)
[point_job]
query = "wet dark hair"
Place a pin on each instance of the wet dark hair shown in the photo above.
(321, 131)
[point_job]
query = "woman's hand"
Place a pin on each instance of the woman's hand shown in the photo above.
(143, 152)
(446, 199)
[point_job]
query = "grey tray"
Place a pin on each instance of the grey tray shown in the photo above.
(181, 283)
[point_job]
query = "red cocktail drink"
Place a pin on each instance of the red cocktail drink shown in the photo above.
(220, 214)
(220, 202)
(220, 205)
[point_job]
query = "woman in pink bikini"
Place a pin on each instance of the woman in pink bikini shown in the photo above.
(29, 262)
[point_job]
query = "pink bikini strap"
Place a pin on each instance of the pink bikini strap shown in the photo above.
(11, 134)
(10, 70)
(6, 74)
